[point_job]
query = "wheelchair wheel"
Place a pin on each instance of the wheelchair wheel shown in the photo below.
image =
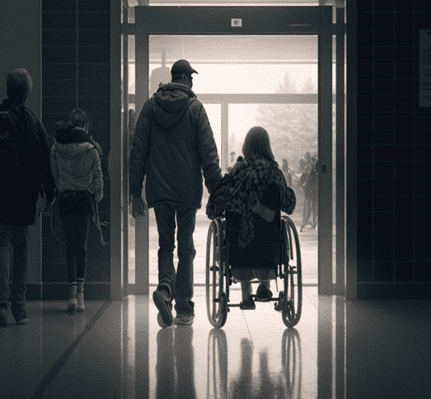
(292, 307)
(215, 297)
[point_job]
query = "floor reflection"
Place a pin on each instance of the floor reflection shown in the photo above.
(284, 384)
(175, 376)
(115, 349)
(175, 363)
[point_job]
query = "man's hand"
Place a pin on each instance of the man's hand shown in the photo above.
(138, 207)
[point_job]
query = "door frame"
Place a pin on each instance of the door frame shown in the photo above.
(203, 20)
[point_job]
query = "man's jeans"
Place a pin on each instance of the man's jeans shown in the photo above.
(181, 283)
(19, 237)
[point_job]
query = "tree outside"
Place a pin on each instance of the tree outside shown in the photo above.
(292, 127)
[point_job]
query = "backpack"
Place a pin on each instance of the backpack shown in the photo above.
(11, 169)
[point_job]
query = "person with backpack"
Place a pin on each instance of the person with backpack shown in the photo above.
(76, 167)
(174, 125)
(27, 187)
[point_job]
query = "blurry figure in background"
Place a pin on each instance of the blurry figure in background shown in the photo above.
(75, 165)
(302, 167)
(306, 167)
(287, 173)
(308, 163)
(302, 181)
(311, 196)
(296, 180)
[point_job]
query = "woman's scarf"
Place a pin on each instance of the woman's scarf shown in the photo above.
(241, 191)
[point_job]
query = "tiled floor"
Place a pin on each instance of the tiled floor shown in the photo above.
(117, 350)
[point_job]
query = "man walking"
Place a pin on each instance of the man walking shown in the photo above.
(174, 125)
(25, 177)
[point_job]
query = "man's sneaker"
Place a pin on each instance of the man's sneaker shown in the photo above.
(161, 301)
(263, 294)
(3, 316)
(20, 316)
(185, 319)
(159, 317)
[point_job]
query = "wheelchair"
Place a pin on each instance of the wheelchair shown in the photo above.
(282, 251)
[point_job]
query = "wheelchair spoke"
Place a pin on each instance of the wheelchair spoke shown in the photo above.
(292, 275)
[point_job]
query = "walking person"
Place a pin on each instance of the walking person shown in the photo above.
(76, 168)
(27, 188)
(287, 173)
(311, 195)
(174, 124)
(308, 162)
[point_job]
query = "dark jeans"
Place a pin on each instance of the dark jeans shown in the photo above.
(76, 234)
(181, 283)
(19, 237)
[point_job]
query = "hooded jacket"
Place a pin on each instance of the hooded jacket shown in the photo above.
(75, 162)
(76, 166)
(18, 207)
(173, 143)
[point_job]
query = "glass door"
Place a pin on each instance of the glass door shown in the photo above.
(275, 77)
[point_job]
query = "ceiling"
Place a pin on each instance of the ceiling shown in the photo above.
(337, 3)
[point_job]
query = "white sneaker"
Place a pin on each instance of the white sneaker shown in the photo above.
(80, 297)
(71, 303)
(185, 319)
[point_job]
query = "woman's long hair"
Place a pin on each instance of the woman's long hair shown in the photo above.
(257, 142)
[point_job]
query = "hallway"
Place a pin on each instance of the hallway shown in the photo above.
(105, 352)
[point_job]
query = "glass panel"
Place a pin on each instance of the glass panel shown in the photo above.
(238, 64)
(166, 3)
(334, 155)
(252, 65)
(121, 139)
(131, 129)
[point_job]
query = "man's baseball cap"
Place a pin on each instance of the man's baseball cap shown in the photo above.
(180, 67)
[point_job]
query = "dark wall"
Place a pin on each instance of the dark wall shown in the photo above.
(76, 73)
(393, 152)
(20, 48)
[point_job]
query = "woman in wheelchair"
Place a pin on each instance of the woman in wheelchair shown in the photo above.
(251, 198)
